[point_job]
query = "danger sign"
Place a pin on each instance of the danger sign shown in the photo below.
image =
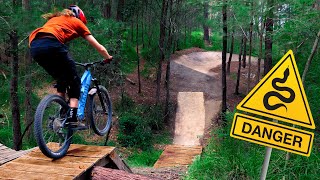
(271, 134)
(280, 95)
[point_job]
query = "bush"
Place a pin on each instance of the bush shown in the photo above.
(134, 132)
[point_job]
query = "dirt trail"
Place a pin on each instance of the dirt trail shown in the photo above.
(195, 72)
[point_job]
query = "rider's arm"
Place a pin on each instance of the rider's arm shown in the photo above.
(101, 49)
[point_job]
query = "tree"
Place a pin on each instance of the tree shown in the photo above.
(224, 58)
(163, 20)
(106, 9)
(230, 52)
(14, 92)
(26, 4)
(268, 38)
(250, 49)
(120, 10)
(313, 51)
(244, 57)
(239, 68)
(206, 17)
(27, 103)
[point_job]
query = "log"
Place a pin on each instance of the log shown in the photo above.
(100, 173)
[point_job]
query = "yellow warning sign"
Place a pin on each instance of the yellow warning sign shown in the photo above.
(280, 95)
(272, 134)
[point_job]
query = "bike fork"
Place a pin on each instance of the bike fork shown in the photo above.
(95, 81)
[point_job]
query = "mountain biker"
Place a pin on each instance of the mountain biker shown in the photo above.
(48, 49)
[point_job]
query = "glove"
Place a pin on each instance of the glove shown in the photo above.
(107, 61)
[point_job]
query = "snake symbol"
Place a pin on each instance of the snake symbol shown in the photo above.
(278, 95)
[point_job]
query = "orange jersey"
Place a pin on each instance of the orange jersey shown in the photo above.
(64, 28)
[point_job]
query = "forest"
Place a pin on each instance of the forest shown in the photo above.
(142, 36)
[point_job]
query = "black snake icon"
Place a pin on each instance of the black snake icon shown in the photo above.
(278, 95)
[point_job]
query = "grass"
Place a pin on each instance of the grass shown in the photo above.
(229, 158)
(144, 158)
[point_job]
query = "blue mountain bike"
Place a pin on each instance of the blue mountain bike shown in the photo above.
(51, 129)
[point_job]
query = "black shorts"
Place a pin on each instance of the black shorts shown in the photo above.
(53, 56)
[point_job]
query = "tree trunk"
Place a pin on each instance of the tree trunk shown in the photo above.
(231, 52)
(313, 51)
(206, 18)
(27, 103)
(119, 10)
(244, 57)
(106, 9)
(224, 59)
(268, 38)
(14, 92)
(167, 81)
(316, 5)
(250, 51)
(25, 4)
(137, 46)
(239, 69)
(260, 55)
(163, 19)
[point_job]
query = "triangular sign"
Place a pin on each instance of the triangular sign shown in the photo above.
(280, 95)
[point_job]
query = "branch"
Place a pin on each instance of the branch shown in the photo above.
(314, 48)
(6, 22)
(23, 40)
(244, 33)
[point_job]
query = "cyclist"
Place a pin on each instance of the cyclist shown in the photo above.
(48, 49)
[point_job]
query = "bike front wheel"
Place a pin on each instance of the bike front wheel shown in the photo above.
(100, 111)
(52, 136)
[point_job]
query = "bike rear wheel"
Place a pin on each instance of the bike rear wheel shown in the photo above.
(100, 111)
(52, 136)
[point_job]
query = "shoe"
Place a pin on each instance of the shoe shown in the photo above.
(63, 112)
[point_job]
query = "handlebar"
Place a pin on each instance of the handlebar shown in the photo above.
(87, 65)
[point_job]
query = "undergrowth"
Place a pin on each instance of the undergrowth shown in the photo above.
(229, 158)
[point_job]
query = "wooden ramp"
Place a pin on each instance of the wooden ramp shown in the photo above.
(77, 164)
(7, 154)
(177, 155)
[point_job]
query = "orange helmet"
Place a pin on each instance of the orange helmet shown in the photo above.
(78, 13)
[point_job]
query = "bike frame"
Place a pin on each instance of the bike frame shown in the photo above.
(85, 86)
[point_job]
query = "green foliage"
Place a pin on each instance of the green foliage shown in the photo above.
(138, 124)
(134, 131)
(129, 62)
(197, 39)
(230, 158)
(144, 158)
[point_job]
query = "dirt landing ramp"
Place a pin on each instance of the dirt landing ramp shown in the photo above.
(190, 119)
(77, 164)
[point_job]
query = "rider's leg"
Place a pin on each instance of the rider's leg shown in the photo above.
(63, 95)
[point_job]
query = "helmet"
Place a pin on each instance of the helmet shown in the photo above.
(78, 13)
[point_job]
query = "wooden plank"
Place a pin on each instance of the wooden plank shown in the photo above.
(49, 170)
(119, 162)
(65, 160)
(85, 147)
(78, 163)
(74, 153)
(177, 155)
(15, 174)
